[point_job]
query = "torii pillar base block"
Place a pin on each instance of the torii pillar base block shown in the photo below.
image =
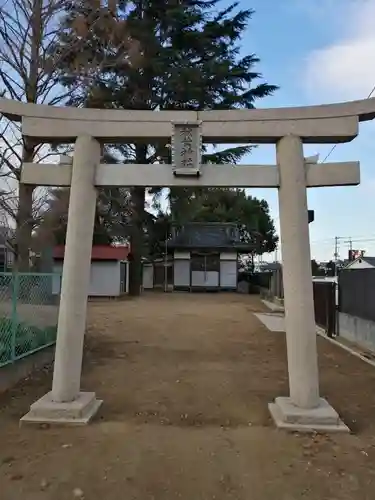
(77, 412)
(323, 418)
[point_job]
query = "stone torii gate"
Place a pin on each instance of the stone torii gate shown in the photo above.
(288, 128)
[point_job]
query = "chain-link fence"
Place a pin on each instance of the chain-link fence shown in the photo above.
(28, 313)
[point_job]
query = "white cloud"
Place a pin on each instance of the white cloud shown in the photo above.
(345, 69)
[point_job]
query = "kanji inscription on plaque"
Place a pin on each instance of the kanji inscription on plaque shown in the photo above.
(186, 148)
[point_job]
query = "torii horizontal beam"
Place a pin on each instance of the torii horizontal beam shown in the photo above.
(245, 176)
(330, 123)
(323, 131)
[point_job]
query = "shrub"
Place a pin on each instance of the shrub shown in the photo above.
(27, 338)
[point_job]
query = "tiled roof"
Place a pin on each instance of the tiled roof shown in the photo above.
(369, 260)
(99, 252)
(206, 235)
(272, 266)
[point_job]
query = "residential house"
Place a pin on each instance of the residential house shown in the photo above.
(362, 262)
(6, 249)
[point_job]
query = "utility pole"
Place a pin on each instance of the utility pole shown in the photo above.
(166, 262)
(336, 254)
(350, 243)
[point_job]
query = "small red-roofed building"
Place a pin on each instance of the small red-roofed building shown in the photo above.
(109, 275)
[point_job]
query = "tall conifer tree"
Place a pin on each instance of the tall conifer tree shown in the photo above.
(159, 55)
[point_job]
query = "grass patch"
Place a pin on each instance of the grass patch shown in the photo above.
(27, 338)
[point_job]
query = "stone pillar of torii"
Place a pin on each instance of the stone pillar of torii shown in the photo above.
(287, 128)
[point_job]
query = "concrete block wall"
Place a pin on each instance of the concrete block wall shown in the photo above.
(358, 330)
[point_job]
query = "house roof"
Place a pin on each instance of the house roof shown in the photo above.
(208, 235)
(344, 262)
(270, 266)
(368, 260)
(99, 252)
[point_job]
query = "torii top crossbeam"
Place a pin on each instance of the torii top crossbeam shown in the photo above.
(332, 123)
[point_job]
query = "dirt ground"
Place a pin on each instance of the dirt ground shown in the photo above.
(185, 381)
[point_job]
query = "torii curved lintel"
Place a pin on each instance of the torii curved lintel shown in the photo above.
(327, 123)
(363, 109)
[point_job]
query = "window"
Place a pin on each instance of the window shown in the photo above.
(205, 262)
(197, 262)
(213, 262)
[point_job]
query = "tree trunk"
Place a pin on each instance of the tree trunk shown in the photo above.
(25, 195)
(138, 195)
(24, 216)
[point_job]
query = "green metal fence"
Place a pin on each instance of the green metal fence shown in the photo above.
(28, 313)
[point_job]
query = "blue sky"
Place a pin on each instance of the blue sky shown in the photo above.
(321, 51)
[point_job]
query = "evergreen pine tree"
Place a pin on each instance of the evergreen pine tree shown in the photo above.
(159, 55)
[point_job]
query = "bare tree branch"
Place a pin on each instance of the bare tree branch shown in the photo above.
(32, 52)
(27, 30)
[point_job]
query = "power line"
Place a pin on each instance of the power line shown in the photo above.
(327, 241)
(356, 238)
(364, 240)
(335, 145)
(349, 239)
(370, 94)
